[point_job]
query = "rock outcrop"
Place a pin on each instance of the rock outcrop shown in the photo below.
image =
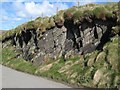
(63, 36)
(58, 42)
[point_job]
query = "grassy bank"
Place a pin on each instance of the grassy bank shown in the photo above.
(9, 59)
(96, 69)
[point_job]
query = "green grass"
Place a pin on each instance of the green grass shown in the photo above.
(8, 59)
(74, 59)
(53, 71)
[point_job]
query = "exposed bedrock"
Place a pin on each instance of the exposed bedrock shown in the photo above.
(64, 41)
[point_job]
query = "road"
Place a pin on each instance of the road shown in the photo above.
(16, 79)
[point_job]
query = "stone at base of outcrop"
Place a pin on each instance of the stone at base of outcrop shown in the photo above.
(98, 75)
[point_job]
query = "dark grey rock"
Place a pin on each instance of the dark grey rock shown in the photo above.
(62, 41)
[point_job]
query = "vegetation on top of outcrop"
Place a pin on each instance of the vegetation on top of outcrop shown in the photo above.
(58, 18)
(68, 14)
(77, 14)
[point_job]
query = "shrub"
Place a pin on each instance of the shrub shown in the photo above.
(68, 14)
(108, 14)
(59, 21)
(77, 15)
(99, 12)
(57, 18)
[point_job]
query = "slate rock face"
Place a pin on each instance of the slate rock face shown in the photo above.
(60, 41)
(51, 44)
(84, 38)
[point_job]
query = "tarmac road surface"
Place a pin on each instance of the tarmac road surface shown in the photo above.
(15, 79)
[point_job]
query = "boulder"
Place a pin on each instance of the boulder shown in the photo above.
(106, 81)
(117, 81)
(69, 54)
(100, 56)
(74, 75)
(90, 62)
(38, 59)
(92, 57)
(45, 68)
(98, 76)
